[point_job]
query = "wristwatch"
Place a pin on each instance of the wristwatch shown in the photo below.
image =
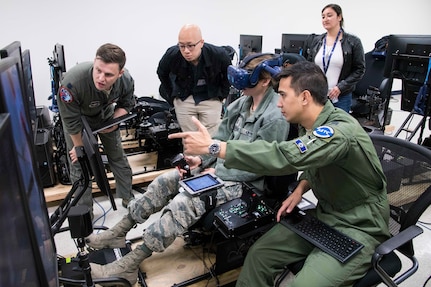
(214, 148)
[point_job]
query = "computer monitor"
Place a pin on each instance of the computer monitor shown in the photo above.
(249, 44)
(14, 50)
(91, 147)
(30, 187)
(419, 45)
(59, 57)
(293, 43)
(28, 87)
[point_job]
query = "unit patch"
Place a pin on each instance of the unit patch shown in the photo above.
(65, 95)
(323, 132)
(301, 146)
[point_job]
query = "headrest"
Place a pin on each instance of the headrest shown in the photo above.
(379, 51)
(241, 78)
(292, 58)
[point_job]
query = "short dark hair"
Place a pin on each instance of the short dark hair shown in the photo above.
(306, 76)
(110, 53)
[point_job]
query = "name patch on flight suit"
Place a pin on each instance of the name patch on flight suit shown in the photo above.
(300, 145)
(94, 104)
(65, 95)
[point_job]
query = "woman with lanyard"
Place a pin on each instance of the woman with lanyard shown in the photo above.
(340, 55)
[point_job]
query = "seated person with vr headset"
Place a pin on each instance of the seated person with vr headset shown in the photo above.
(252, 117)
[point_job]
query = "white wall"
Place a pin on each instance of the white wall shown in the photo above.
(146, 29)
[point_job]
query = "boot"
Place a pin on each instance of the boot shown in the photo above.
(126, 267)
(114, 237)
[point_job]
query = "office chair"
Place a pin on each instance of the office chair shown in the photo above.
(407, 167)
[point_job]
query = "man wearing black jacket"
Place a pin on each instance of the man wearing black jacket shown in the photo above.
(193, 76)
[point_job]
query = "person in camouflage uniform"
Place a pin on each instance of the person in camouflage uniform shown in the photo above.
(252, 117)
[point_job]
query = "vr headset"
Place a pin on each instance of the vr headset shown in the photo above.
(241, 78)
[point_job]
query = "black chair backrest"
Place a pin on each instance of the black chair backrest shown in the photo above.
(373, 75)
(407, 167)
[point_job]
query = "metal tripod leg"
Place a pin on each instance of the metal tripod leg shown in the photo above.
(420, 125)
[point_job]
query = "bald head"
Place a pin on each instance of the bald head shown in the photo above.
(190, 33)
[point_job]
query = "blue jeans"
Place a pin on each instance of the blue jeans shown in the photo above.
(344, 102)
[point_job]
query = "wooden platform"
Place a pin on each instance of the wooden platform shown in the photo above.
(143, 168)
(179, 263)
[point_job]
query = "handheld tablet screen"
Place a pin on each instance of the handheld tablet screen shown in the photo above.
(201, 183)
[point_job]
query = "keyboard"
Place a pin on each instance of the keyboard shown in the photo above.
(321, 235)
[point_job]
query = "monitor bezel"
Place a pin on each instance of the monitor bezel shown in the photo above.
(29, 88)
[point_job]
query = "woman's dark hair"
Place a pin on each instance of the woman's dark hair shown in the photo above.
(337, 10)
(306, 76)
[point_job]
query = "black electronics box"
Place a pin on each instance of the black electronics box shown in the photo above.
(44, 156)
(240, 217)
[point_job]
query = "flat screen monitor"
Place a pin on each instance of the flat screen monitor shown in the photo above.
(28, 87)
(249, 44)
(59, 57)
(19, 263)
(293, 43)
(14, 50)
(419, 45)
(12, 102)
(91, 147)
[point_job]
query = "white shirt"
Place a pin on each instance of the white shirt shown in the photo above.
(335, 63)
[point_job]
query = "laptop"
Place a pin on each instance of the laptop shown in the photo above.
(113, 122)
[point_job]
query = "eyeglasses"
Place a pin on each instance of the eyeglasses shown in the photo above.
(190, 47)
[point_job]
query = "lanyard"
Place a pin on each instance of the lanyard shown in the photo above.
(428, 72)
(326, 66)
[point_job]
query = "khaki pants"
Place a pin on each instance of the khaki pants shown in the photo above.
(207, 112)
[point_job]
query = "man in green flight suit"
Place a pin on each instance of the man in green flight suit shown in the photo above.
(339, 165)
(100, 90)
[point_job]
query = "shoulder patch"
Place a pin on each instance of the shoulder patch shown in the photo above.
(323, 132)
(65, 95)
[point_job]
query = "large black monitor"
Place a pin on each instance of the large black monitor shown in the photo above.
(59, 57)
(28, 87)
(293, 43)
(19, 264)
(249, 44)
(14, 50)
(91, 147)
(12, 102)
(419, 45)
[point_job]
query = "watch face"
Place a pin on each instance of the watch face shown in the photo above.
(214, 148)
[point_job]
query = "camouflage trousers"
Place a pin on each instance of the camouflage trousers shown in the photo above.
(180, 211)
